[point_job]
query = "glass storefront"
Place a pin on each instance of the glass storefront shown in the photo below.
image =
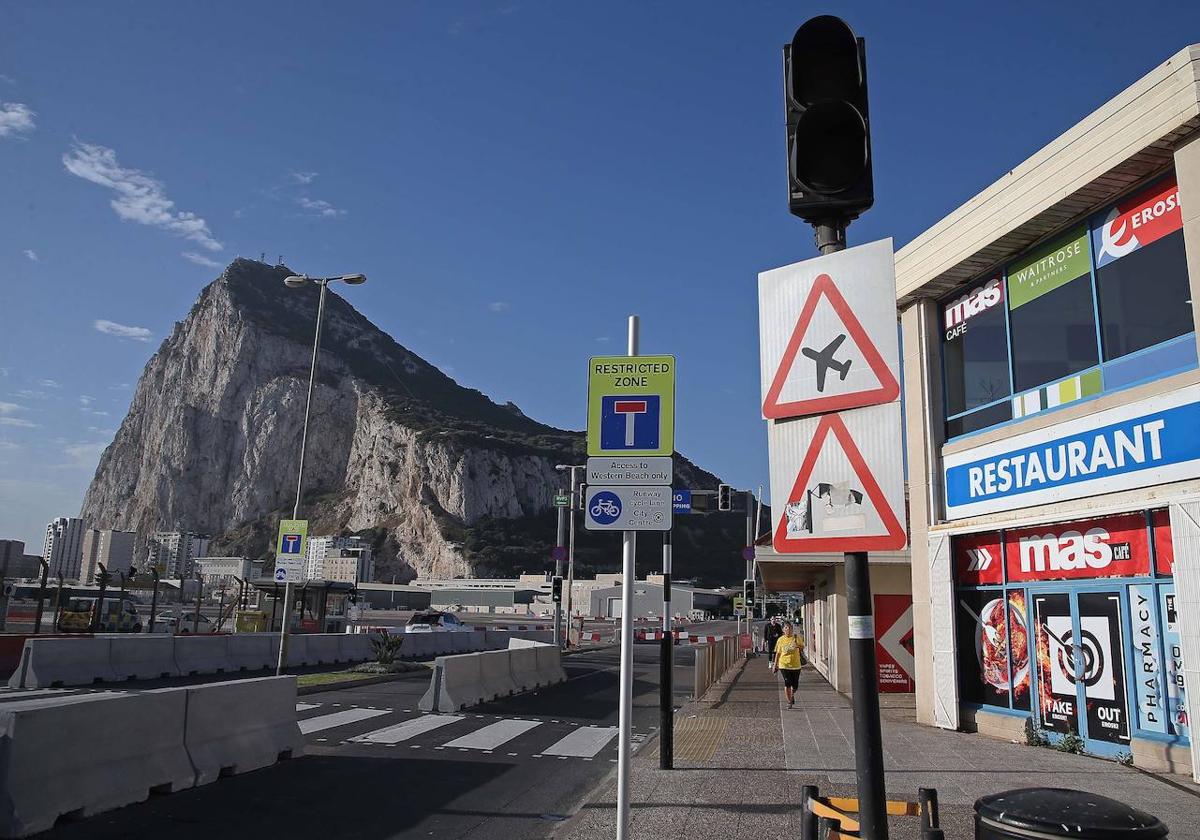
(1104, 305)
(1074, 623)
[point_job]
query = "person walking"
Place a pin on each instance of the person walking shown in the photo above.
(787, 661)
(770, 634)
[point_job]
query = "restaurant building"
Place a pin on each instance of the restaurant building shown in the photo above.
(1052, 402)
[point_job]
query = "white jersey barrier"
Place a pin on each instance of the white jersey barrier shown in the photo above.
(468, 679)
(198, 654)
(63, 661)
(143, 658)
(253, 651)
(239, 726)
(87, 753)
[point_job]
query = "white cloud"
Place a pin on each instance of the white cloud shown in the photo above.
(120, 386)
(8, 80)
(499, 306)
(83, 455)
(49, 383)
(15, 119)
(304, 177)
(85, 400)
(200, 259)
(17, 421)
(122, 331)
(603, 339)
(31, 255)
(8, 446)
(141, 197)
(320, 207)
(29, 394)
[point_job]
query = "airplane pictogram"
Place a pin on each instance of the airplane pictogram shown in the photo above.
(825, 361)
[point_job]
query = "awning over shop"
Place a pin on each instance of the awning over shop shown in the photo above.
(797, 572)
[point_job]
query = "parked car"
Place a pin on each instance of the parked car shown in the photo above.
(119, 615)
(170, 622)
(434, 621)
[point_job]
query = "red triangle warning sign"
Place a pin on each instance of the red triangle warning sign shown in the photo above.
(887, 390)
(799, 531)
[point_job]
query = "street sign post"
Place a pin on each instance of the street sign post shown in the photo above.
(290, 548)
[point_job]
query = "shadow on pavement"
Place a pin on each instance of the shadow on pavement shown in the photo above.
(311, 797)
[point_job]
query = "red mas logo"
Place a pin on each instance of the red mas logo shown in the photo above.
(1139, 220)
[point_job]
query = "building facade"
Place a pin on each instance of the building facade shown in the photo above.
(346, 559)
(108, 548)
(1052, 401)
(174, 553)
(63, 549)
(219, 572)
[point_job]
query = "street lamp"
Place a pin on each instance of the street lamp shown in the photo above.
(571, 543)
(296, 281)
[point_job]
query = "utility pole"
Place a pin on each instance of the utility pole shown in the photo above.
(559, 550)
(571, 549)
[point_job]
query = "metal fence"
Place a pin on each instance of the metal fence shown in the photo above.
(713, 661)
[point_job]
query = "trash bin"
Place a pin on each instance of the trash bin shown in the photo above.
(1059, 812)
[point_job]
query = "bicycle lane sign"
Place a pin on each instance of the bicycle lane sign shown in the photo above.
(627, 508)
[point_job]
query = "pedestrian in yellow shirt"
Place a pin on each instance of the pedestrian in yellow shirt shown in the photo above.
(787, 661)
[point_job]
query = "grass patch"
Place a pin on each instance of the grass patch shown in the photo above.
(330, 677)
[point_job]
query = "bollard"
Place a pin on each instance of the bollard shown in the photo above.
(1059, 812)
(827, 828)
(927, 797)
(808, 819)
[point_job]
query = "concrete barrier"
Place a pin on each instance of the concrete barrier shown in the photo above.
(88, 753)
(495, 674)
(356, 647)
(464, 642)
(417, 646)
(201, 654)
(63, 661)
(253, 651)
(443, 645)
(522, 667)
(239, 726)
(323, 648)
(142, 657)
(455, 684)
(297, 651)
(549, 665)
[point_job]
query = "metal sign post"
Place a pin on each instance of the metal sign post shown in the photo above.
(625, 716)
(666, 673)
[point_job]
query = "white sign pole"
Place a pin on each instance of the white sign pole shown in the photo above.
(625, 719)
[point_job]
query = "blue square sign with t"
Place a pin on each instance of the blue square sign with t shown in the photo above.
(629, 422)
(290, 543)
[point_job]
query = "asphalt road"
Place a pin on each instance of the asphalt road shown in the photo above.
(508, 769)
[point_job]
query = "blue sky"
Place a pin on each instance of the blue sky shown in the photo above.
(514, 178)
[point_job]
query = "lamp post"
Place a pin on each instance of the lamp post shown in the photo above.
(297, 281)
(571, 540)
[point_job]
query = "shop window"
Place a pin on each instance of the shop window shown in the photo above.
(982, 419)
(1141, 271)
(983, 672)
(975, 348)
(1051, 312)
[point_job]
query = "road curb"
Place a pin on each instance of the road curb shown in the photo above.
(338, 686)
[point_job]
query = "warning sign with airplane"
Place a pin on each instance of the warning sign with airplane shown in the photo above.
(837, 482)
(828, 335)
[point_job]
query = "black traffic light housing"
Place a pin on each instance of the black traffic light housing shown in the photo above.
(724, 497)
(748, 593)
(556, 588)
(828, 124)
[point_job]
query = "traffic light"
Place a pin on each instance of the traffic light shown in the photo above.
(582, 491)
(724, 497)
(748, 592)
(556, 589)
(828, 127)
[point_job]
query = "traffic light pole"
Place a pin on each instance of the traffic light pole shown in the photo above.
(558, 552)
(666, 673)
(868, 740)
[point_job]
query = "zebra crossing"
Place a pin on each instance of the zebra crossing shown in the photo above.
(363, 727)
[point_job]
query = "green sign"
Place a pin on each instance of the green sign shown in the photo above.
(562, 500)
(1048, 267)
(631, 405)
(289, 550)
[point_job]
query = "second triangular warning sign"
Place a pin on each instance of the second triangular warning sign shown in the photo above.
(825, 383)
(833, 500)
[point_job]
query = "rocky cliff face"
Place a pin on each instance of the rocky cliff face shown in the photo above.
(397, 449)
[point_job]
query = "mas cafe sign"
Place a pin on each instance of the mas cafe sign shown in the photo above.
(974, 302)
(1116, 546)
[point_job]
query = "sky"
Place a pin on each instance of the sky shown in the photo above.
(514, 178)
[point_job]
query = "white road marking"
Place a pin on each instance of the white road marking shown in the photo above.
(583, 742)
(493, 735)
(317, 724)
(304, 707)
(408, 729)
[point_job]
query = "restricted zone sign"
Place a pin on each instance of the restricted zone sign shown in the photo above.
(631, 405)
(289, 550)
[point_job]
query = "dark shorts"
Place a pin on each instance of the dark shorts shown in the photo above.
(791, 677)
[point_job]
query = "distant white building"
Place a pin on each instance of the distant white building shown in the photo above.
(112, 549)
(174, 553)
(344, 559)
(219, 572)
(64, 547)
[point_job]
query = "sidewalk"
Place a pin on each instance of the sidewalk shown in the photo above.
(731, 747)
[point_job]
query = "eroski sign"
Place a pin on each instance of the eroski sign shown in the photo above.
(1137, 445)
